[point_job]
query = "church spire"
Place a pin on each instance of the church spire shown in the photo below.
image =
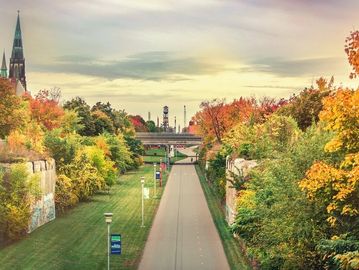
(17, 60)
(3, 70)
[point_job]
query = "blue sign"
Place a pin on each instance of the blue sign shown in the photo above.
(158, 175)
(116, 244)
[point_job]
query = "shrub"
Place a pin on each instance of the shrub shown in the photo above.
(65, 196)
(276, 220)
(17, 190)
(86, 179)
(104, 165)
(216, 173)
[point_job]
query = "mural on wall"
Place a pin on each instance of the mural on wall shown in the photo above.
(43, 210)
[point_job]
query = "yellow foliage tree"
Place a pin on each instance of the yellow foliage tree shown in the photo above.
(337, 186)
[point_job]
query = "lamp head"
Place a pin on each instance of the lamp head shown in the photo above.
(108, 217)
(142, 179)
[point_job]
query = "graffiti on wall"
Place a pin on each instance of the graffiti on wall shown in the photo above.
(43, 211)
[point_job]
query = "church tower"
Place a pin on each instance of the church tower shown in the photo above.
(3, 70)
(17, 60)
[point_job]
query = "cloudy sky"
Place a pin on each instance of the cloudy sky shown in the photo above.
(141, 55)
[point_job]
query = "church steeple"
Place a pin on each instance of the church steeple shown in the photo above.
(3, 70)
(17, 60)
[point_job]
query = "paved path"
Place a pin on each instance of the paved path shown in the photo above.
(183, 235)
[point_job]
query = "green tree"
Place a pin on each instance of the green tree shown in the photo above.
(83, 109)
(306, 106)
(151, 126)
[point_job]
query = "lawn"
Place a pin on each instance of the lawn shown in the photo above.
(77, 240)
(231, 246)
(154, 156)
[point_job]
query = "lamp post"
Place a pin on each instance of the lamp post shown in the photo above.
(142, 183)
(108, 219)
(160, 172)
(154, 179)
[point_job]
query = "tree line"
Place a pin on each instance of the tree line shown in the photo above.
(91, 147)
(299, 208)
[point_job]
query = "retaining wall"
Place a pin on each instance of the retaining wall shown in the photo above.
(43, 210)
(239, 167)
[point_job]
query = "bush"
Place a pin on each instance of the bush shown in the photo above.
(86, 179)
(62, 149)
(276, 220)
(17, 190)
(65, 196)
(216, 173)
(104, 166)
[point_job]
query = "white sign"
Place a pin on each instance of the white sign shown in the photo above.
(146, 193)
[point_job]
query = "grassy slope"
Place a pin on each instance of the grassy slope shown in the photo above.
(231, 245)
(77, 240)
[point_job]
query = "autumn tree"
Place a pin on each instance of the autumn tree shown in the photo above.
(217, 117)
(211, 119)
(13, 109)
(45, 109)
(352, 51)
(337, 185)
(139, 123)
(306, 106)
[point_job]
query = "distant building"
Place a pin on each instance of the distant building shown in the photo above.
(17, 73)
(3, 71)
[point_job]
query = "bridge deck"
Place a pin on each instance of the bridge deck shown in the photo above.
(168, 138)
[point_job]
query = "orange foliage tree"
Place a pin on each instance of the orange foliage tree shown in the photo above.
(352, 51)
(217, 117)
(45, 109)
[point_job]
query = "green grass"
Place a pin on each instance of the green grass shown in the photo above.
(231, 246)
(77, 240)
(155, 152)
(154, 155)
(156, 159)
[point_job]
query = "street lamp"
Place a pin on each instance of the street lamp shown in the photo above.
(108, 219)
(160, 172)
(154, 179)
(142, 183)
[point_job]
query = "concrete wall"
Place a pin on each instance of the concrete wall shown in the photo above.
(238, 166)
(43, 210)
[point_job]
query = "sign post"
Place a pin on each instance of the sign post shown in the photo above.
(108, 219)
(142, 183)
(116, 247)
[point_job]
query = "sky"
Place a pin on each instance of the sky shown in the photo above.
(142, 55)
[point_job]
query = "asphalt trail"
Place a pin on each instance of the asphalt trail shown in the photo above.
(183, 235)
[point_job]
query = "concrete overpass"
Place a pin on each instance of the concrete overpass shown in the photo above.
(148, 138)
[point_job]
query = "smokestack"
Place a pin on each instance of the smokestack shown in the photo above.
(158, 121)
(184, 117)
(175, 124)
(165, 118)
(149, 116)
